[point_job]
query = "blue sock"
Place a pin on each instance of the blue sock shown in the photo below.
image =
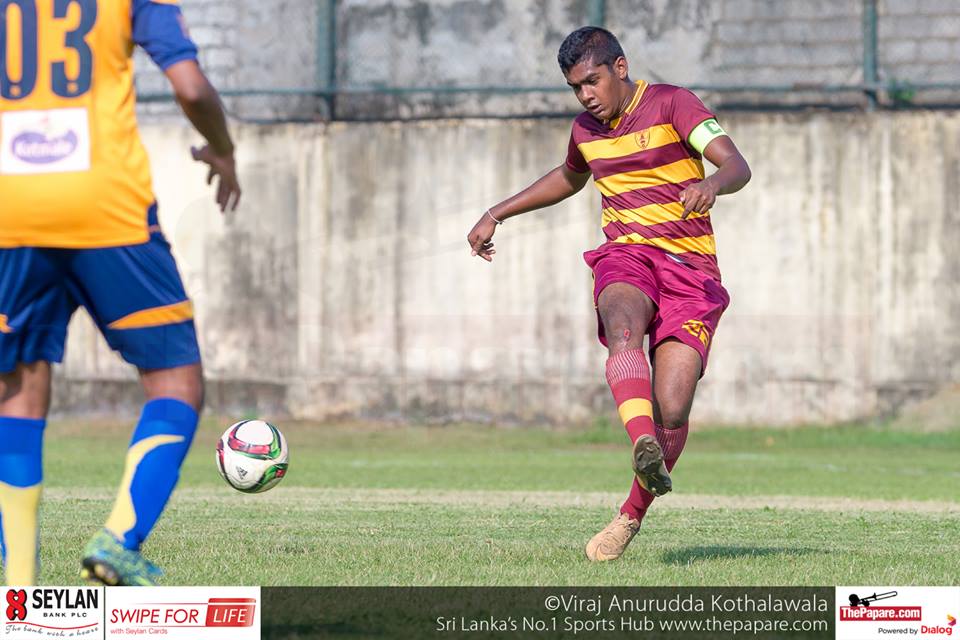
(157, 449)
(21, 475)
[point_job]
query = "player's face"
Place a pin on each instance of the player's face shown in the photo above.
(599, 88)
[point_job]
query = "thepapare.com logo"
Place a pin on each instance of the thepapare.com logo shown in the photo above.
(53, 612)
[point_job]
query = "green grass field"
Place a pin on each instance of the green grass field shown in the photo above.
(481, 506)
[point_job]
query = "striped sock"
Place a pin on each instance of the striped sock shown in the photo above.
(21, 476)
(672, 442)
(629, 378)
(157, 449)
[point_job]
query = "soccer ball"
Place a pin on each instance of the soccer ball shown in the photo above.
(252, 456)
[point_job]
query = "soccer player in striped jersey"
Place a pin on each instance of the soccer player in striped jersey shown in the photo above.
(657, 273)
(78, 227)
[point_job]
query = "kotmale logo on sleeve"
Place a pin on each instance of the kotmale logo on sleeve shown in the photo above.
(188, 613)
(53, 612)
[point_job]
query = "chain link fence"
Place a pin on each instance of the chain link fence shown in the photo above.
(307, 60)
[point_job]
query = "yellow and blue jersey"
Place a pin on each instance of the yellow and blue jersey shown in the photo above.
(73, 171)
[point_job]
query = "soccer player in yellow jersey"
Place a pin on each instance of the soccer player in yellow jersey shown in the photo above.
(657, 273)
(78, 227)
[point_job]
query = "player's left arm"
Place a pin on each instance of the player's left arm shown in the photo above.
(159, 27)
(732, 174)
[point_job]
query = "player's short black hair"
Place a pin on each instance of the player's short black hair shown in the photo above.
(589, 43)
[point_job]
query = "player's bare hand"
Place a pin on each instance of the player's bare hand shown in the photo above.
(698, 197)
(225, 168)
(480, 238)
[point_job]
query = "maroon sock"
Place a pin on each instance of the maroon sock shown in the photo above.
(672, 442)
(629, 378)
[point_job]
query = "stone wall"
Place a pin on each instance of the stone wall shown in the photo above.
(344, 287)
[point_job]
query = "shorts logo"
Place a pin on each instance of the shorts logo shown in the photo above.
(698, 330)
(4, 327)
(642, 139)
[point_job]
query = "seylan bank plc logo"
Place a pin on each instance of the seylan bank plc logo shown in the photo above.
(16, 604)
(53, 612)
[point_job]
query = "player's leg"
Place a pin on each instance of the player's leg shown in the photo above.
(25, 391)
(625, 313)
(34, 312)
(676, 372)
(24, 399)
(151, 326)
(626, 297)
(158, 446)
(157, 449)
(691, 304)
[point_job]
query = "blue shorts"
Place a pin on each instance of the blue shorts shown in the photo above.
(133, 293)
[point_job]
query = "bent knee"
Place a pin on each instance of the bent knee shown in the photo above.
(194, 391)
(623, 335)
(670, 416)
(183, 383)
(624, 327)
(25, 391)
(673, 423)
(199, 395)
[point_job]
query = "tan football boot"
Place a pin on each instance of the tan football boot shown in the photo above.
(610, 543)
(648, 464)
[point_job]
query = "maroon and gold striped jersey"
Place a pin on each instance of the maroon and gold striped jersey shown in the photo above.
(641, 162)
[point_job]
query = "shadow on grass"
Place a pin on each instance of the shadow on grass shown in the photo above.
(687, 555)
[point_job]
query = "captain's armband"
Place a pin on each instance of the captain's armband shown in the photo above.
(705, 133)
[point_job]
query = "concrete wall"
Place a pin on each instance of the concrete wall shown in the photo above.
(343, 286)
(250, 44)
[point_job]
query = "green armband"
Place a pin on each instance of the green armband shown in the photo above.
(705, 133)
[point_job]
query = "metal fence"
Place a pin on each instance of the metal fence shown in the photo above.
(407, 59)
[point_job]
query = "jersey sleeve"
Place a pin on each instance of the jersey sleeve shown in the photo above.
(159, 27)
(575, 160)
(686, 112)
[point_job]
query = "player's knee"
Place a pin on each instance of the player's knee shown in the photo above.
(184, 384)
(671, 412)
(622, 331)
(199, 394)
(671, 419)
(624, 338)
(194, 388)
(25, 391)
(9, 383)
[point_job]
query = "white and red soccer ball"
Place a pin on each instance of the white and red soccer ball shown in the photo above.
(252, 456)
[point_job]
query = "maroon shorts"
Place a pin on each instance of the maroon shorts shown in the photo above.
(689, 302)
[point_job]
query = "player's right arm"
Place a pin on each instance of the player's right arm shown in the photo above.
(558, 185)
(201, 104)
